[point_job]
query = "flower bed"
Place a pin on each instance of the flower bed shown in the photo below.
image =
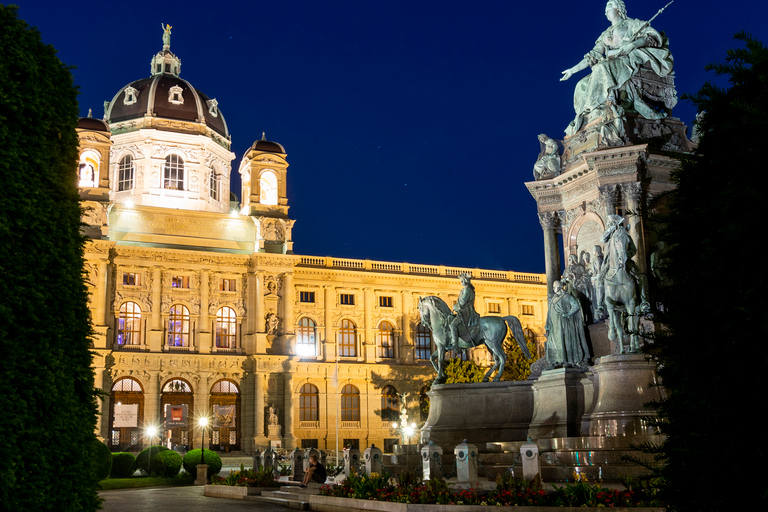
(247, 478)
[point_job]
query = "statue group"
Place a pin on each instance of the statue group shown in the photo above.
(594, 288)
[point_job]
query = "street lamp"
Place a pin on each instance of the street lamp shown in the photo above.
(150, 432)
(203, 422)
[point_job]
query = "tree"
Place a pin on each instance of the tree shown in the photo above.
(46, 383)
(719, 288)
(517, 366)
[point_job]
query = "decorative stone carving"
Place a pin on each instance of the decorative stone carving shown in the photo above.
(272, 322)
(548, 163)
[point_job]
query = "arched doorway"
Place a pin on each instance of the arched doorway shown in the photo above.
(126, 415)
(177, 406)
(225, 411)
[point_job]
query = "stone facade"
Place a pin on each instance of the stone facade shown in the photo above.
(199, 301)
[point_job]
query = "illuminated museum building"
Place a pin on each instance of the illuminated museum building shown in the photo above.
(201, 301)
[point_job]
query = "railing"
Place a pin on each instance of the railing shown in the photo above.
(129, 348)
(309, 424)
(350, 424)
(408, 268)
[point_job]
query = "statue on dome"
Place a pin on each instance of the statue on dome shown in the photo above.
(166, 34)
(619, 54)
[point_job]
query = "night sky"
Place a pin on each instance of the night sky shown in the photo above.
(410, 126)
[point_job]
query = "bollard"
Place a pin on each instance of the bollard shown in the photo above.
(257, 460)
(269, 460)
(351, 459)
(529, 452)
(307, 453)
(297, 465)
(372, 458)
(466, 464)
(431, 461)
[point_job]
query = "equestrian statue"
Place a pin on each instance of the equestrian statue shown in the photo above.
(464, 328)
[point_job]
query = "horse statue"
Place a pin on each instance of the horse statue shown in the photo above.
(491, 330)
(621, 286)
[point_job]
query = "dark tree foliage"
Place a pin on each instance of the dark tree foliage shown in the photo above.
(718, 300)
(46, 383)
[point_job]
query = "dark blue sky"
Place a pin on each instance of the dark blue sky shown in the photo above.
(411, 126)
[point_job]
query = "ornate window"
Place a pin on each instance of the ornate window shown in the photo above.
(88, 171)
(389, 404)
(175, 94)
(225, 386)
(348, 299)
(213, 107)
(178, 326)
(350, 403)
(347, 339)
(129, 324)
(386, 340)
(306, 334)
(308, 408)
(127, 385)
(226, 328)
(180, 282)
(131, 278)
(385, 301)
(131, 95)
(268, 188)
(176, 386)
(173, 173)
(125, 173)
(423, 343)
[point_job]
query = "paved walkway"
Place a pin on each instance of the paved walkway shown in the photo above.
(177, 499)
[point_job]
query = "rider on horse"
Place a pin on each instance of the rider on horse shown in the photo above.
(465, 314)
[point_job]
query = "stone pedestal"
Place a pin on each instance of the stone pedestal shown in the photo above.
(351, 460)
(431, 457)
(529, 454)
(466, 465)
(202, 474)
(274, 432)
(625, 384)
(297, 465)
(561, 397)
(372, 456)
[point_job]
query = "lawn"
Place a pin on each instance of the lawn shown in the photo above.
(145, 481)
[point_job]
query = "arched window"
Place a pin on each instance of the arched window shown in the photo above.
(127, 385)
(308, 409)
(125, 173)
(214, 185)
(226, 328)
(126, 414)
(389, 404)
(176, 386)
(173, 173)
(88, 171)
(268, 188)
(178, 326)
(348, 339)
(225, 409)
(423, 342)
(305, 337)
(386, 340)
(129, 324)
(350, 403)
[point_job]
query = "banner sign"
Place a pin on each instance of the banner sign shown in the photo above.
(126, 415)
(223, 416)
(175, 416)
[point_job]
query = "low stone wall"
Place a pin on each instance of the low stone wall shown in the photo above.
(333, 504)
(234, 491)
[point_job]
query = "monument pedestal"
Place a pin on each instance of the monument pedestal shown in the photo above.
(625, 383)
(561, 397)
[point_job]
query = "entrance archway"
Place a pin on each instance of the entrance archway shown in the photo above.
(177, 406)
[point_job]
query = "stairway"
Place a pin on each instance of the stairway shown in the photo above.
(291, 496)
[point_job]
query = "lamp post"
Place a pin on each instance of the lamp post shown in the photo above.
(202, 468)
(150, 433)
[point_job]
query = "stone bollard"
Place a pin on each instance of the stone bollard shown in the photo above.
(269, 460)
(351, 459)
(431, 461)
(529, 452)
(202, 474)
(257, 460)
(466, 464)
(308, 453)
(297, 465)
(372, 456)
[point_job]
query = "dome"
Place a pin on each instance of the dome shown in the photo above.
(166, 96)
(89, 123)
(267, 146)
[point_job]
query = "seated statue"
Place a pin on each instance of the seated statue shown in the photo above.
(548, 163)
(620, 53)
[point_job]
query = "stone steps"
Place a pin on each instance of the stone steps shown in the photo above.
(291, 496)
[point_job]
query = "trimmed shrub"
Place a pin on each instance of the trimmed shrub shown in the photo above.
(192, 459)
(123, 464)
(166, 464)
(142, 459)
(102, 460)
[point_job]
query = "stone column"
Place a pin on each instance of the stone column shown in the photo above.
(202, 406)
(205, 336)
(369, 341)
(633, 192)
(549, 222)
(258, 415)
(330, 340)
(608, 195)
(289, 323)
(152, 402)
(101, 296)
(290, 440)
(103, 381)
(260, 320)
(406, 343)
(156, 319)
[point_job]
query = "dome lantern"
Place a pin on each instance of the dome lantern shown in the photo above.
(165, 61)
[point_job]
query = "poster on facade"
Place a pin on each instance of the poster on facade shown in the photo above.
(126, 415)
(223, 416)
(175, 416)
